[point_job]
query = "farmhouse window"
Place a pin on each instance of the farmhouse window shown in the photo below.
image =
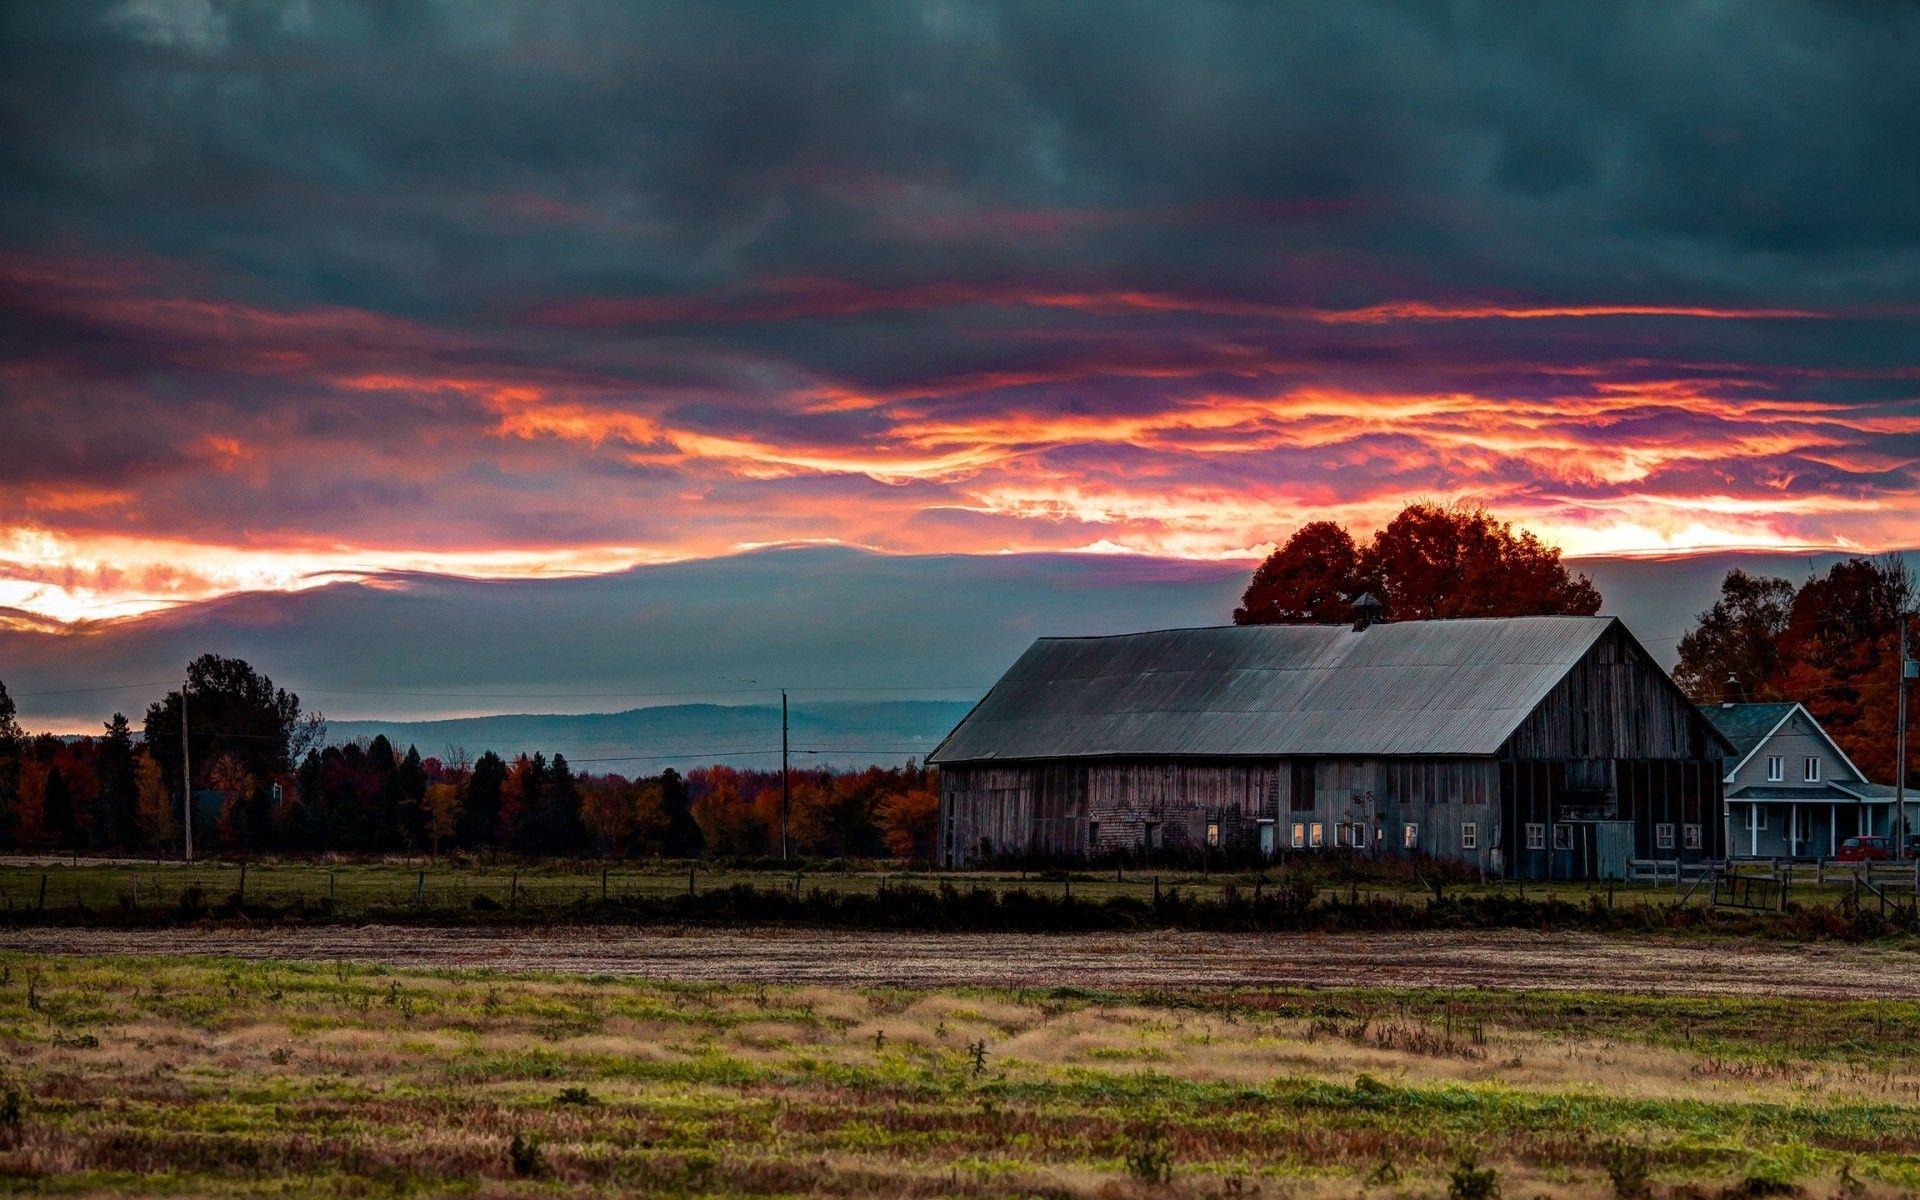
(1759, 816)
(1663, 836)
(1536, 836)
(1299, 835)
(1563, 836)
(1316, 835)
(1093, 834)
(1356, 834)
(1470, 835)
(1410, 835)
(1776, 768)
(1690, 835)
(1813, 769)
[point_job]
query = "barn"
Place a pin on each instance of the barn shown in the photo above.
(1540, 747)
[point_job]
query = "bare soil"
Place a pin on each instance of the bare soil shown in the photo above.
(1169, 959)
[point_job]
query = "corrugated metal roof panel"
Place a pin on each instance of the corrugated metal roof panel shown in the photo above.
(1412, 687)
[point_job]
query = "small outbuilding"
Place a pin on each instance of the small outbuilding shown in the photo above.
(1542, 747)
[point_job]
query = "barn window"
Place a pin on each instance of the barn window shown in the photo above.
(1563, 836)
(1776, 768)
(1316, 835)
(1299, 834)
(1213, 833)
(1663, 836)
(1536, 836)
(1410, 836)
(1691, 835)
(1813, 769)
(1470, 835)
(1093, 834)
(1359, 835)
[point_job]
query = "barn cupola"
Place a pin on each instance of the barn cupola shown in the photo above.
(1367, 611)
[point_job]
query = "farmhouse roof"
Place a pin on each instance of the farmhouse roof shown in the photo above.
(1747, 725)
(1458, 687)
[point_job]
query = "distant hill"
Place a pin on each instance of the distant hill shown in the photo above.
(646, 741)
(831, 621)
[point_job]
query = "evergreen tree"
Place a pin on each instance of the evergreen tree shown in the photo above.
(563, 831)
(413, 816)
(683, 837)
(11, 744)
(117, 805)
(63, 826)
(383, 782)
(479, 824)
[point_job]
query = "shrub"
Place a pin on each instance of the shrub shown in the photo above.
(575, 1095)
(1627, 1169)
(525, 1156)
(1470, 1181)
(1150, 1158)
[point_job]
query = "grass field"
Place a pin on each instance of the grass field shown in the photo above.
(354, 887)
(216, 1077)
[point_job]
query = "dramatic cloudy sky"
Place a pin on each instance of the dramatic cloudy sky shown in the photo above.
(296, 290)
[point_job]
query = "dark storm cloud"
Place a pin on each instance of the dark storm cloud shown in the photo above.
(656, 280)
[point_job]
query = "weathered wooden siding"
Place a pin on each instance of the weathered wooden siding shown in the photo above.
(1053, 809)
(1614, 703)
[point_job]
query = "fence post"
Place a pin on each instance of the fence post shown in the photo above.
(242, 891)
(332, 891)
(420, 891)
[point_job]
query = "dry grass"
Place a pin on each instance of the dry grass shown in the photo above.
(204, 1076)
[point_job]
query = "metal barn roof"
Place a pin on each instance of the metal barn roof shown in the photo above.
(1406, 688)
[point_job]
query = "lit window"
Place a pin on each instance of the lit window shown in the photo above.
(1410, 835)
(1316, 835)
(1776, 768)
(1663, 836)
(1691, 836)
(1470, 835)
(1813, 770)
(1299, 835)
(1213, 833)
(1536, 836)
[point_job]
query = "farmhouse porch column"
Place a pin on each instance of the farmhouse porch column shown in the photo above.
(1793, 830)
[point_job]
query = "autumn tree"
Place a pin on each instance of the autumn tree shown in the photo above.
(1832, 644)
(1309, 579)
(1430, 561)
(159, 819)
(910, 823)
(1738, 638)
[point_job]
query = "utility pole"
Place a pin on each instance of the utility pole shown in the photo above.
(186, 771)
(785, 795)
(1900, 754)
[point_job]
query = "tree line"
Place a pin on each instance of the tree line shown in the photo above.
(1832, 643)
(265, 782)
